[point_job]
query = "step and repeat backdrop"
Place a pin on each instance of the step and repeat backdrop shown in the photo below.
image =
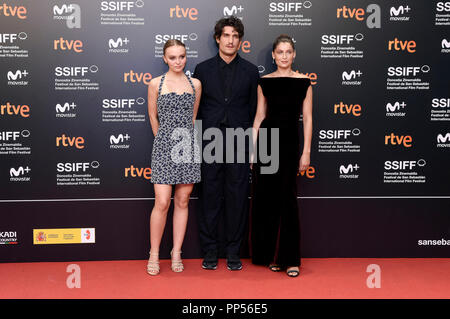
(75, 138)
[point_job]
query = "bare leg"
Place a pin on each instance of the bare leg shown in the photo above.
(180, 218)
(158, 217)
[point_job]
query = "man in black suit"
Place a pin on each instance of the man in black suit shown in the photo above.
(229, 97)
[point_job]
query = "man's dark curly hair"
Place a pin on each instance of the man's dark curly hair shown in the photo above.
(231, 21)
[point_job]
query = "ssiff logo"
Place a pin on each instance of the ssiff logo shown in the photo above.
(120, 5)
(12, 37)
(289, 6)
(341, 38)
(13, 11)
(13, 135)
(63, 71)
(407, 70)
(373, 20)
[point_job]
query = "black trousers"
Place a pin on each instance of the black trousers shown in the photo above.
(224, 190)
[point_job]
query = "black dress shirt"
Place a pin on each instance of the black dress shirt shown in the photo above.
(226, 73)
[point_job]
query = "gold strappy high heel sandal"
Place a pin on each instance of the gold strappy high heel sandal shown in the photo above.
(153, 266)
(177, 265)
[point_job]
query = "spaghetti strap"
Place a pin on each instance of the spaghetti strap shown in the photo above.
(192, 84)
(161, 83)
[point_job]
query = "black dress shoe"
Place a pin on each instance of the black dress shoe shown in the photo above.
(233, 262)
(210, 260)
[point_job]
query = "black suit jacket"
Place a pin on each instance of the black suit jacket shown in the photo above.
(240, 109)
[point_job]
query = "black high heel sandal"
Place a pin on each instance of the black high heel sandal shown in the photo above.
(293, 272)
(275, 267)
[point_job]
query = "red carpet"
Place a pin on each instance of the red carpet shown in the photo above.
(319, 278)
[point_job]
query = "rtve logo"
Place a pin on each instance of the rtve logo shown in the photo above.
(405, 140)
(347, 76)
(11, 109)
(341, 108)
(71, 13)
(341, 38)
(233, 11)
(20, 171)
(443, 6)
(135, 77)
(403, 165)
(13, 135)
(399, 45)
(311, 75)
(12, 37)
(62, 44)
(373, 20)
(179, 12)
(145, 172)
(440, 102)
(18, 75)
(66, 107)
(309, 173)
(76, 166)
(245, 46)
(338, 134)
(75, 70)
(289, 6)
(120, 5)
(13, 11)
(67, 141)
(407, 70)
(121, 103)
